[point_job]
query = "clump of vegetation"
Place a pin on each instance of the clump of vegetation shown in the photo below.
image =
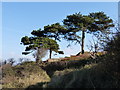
(24, 75)
(50, 68)
(87, 77)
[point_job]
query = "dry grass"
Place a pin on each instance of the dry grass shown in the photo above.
(22, 76)
(87, 77)
(25, 82)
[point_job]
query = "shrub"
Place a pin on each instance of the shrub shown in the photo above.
(50, 68)
(25, 75)
(87, 77)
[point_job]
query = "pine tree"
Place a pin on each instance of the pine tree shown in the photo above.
(94, 22)
(37, 43)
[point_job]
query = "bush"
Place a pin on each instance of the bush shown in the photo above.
(25, 75)
(87, 77)
(50, 68)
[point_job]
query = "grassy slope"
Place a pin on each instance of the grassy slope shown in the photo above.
(104, 74)
(86, 77)
(23, 75)
(93, 75)
(84, 73)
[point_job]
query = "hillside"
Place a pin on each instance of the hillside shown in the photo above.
(23, 75)
(83, 73)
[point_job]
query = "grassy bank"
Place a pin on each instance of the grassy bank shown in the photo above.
(24, 75)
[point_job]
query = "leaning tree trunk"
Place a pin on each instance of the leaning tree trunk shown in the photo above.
(83, 38)
(50, 54)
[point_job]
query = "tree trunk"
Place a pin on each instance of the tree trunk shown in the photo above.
(50, 54)
(83, 38)
(38, 59)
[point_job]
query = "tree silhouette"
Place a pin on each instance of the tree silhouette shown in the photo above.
(94, 22)
(38, 43)
(101, 25)
(53, 31)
